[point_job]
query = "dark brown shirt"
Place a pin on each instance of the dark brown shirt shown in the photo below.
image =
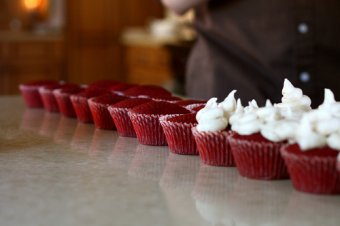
(252, 45)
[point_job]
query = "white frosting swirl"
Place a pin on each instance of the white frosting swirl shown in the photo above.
(245, 121)
(211, 117)
(321, 127)
(293, 103)
(214, 116)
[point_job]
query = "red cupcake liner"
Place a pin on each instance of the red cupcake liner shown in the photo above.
(195, 107)
(177, 130)
(312, 173)
(145, 121)
(338, 163)
(30, 93)
(122, 121)
(48, 98)
(63, 98)
(49, 102)
(214, 148)
(147, 90)
(257, 159)
(100, 113)
(81, 106)
(148, 129)
(190, 102)
(119, 114)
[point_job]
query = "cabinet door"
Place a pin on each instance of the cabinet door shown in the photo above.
(93, 34)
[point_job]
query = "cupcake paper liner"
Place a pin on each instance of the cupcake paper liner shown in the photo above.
(81, 106)
(119, 114)
(214, 148)
(122, 121)
(177, 130)
(148, 129)
(100, 113)
(145, 121)
(65, 105)
(312, 173)
(49, 102)
(30, 93)
(258, 160)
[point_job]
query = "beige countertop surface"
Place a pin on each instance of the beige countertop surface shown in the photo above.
(56, 171)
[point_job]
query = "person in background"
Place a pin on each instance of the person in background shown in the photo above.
(252, 45)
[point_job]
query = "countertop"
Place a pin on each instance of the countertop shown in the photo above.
(56, 171)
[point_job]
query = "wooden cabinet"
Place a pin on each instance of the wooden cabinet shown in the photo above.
(148, 65)
(25, 60)
(93, 35)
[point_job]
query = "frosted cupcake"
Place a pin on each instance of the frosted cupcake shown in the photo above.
(259, 134)
(312, 160)
(211, 134)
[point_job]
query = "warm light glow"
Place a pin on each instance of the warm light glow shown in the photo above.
(31, 4)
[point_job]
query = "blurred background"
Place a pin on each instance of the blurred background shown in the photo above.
(82, 41)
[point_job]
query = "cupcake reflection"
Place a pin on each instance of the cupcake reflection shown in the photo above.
(213, 189)
(123, 152)
(32, 119)
(148, 162)
(180, 172)
(66, 129)
(50, 124)
(102, 142)
(259, 202)
(81, 140)
(307, 209)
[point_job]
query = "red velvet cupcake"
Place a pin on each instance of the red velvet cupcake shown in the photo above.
(48, 98)
(81, 106)
(148, 91)
(30, 92)
(170, 99)
(119, 114)
(177, 130)
(145, 120)
(104, 84)
(214, 147)
(101, 116)
(312, 171)
(190, 101)
(194, 107)
(258, 158)
(63, 99)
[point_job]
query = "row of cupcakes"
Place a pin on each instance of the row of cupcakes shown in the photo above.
(223, 134)
(132, 110)
(288, 139)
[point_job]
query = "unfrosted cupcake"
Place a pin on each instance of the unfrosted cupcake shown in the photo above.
(259, 134)
(177, 130)
(48, 98)
(99, 109)
(211, 134)
(145, 120)
(119, 114)
(81, 106)
(148, 91)
(312, 160)
(30, 92)
(63, 98)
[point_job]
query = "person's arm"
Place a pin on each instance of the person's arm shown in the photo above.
(181, 6)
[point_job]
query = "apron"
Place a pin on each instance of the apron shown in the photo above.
(252, 45)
